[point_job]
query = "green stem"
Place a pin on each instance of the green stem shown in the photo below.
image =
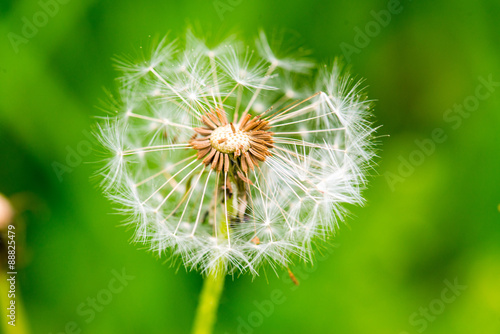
(206, 313)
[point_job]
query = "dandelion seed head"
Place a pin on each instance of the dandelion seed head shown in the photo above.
(224, 140)
(236, 155)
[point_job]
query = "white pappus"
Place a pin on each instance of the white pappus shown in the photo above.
(230, 158)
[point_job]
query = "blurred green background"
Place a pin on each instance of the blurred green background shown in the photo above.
(425, 227)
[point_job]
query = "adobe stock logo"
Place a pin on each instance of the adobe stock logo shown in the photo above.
(372, 29)
(425, 315)
(426, 147)
(224, 6)
(264, 309)
(74, 156)
(32, 25)
(89, 309)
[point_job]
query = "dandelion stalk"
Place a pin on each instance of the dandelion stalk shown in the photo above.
(206, 314)
(213, 283)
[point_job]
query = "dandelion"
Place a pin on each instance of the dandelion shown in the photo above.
(230, 158)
